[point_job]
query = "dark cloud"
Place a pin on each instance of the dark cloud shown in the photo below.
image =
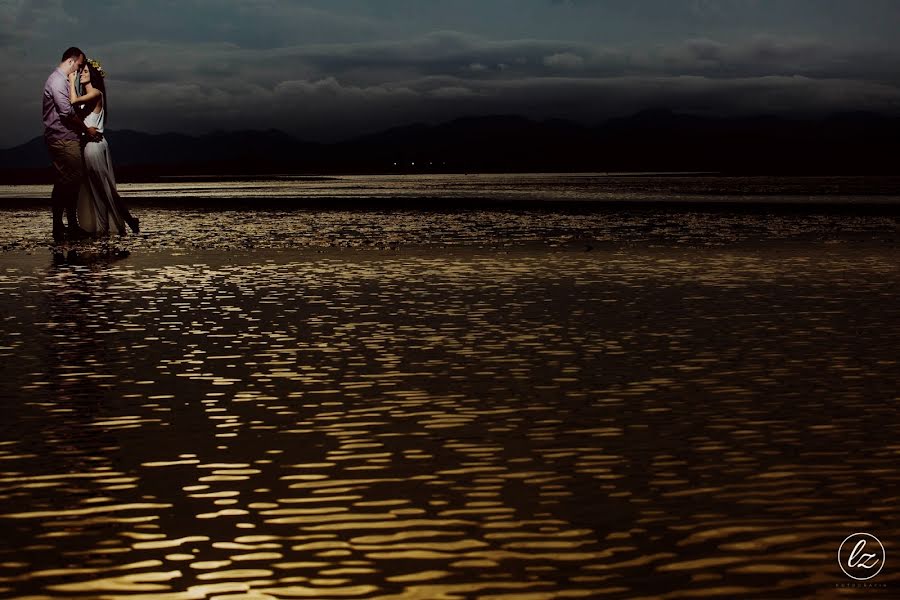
(324, 70)
(328, 108)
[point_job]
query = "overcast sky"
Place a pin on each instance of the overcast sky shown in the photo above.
(330, 69)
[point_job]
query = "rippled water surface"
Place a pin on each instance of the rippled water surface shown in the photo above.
(447, 387)
(445, 424)
(545, 210)
(632, 187)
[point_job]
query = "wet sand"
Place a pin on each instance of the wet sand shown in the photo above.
(648, 419)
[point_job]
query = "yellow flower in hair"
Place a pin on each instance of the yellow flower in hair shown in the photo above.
(97, 66)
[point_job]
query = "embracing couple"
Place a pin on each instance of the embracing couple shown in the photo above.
(75, 107)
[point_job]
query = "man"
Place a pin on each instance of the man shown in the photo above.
(62, 132)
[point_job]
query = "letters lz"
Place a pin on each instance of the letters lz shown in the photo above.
(860, 559)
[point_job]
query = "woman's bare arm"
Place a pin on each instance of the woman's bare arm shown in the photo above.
(73, 95)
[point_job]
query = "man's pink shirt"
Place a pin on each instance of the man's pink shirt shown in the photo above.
(59, 115)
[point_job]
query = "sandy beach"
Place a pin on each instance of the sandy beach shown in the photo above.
(445, 423)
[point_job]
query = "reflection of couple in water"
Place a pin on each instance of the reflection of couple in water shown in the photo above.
(74, 110)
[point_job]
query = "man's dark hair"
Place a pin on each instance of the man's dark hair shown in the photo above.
(72, 52)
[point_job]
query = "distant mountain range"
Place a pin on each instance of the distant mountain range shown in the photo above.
(653, 140)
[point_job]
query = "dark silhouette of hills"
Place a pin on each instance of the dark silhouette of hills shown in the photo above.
(133, 149)
(652, 140)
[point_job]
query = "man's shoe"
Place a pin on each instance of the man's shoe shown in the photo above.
(135, 224)
(59, 234)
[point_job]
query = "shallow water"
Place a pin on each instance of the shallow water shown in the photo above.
(191, 229)
(397, 387)
(483, 210)
(447, 423)
(630, 187)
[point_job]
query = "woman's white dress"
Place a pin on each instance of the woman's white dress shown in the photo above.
(99, 207)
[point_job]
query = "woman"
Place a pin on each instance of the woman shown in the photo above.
(100, 208)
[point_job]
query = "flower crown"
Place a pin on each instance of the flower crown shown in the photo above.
(97, 66)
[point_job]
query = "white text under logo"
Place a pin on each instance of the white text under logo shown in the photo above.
(861, 556)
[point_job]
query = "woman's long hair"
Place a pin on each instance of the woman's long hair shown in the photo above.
(98, 82)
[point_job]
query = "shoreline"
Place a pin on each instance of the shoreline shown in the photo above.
(888, 205)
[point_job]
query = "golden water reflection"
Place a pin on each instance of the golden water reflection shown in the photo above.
(424, 425)
(244, 224)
